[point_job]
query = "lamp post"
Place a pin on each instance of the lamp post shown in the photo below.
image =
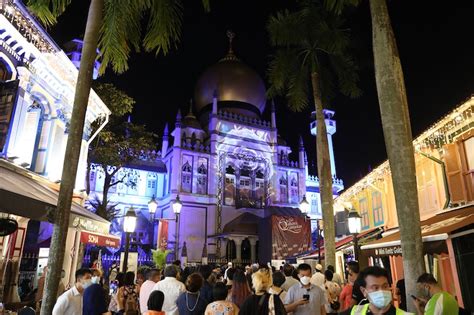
(152, 206)
(304, 206)
(177, 205)
(129, 224)
(354, 223)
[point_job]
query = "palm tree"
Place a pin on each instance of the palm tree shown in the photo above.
(312, 51)
(398, 141)
(114, 27)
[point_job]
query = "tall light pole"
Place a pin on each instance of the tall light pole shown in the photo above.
(354, 222)
(177, 205)
(152, 206)
(129, 225)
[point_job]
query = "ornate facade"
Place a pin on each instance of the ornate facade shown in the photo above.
(223, 160)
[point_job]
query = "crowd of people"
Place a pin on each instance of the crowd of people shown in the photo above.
(251, 290)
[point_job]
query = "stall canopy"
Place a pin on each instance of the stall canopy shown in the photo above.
(26, 194)
(436, 228)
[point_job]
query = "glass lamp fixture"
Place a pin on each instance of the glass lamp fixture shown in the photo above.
(177, 205)
(130, 221)
(354, 221)
(152, 205)
(304, 206)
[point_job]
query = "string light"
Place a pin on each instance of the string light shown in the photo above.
(442, 132)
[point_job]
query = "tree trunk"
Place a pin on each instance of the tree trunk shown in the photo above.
(88, 177)
(398, 141)
(325, 177)
(71, 159)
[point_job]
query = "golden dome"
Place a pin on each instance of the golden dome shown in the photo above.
(239, 88)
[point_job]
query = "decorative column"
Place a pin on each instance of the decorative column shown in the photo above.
(238, 248)
(253, 250)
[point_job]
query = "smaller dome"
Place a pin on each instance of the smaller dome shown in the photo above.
(190, 120)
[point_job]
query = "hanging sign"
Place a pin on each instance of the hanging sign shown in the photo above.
(99, 240)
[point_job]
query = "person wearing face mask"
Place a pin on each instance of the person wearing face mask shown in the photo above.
(70, 302)
(376, 289)
(432, 299)
(305, 298)
(94, 298)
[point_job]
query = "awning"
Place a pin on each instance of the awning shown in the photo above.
(26, 194)
(436, 228)
(315, 253)
(100, 239)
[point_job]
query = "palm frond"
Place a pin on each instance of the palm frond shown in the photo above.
(285, 29)
(280, 68)
(347, 77)
(119, 33)
(297, 94)
(337, 6)
(164, 26)
(47, 11)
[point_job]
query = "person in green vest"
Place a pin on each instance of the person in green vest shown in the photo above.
(376, 289)
(432, 299)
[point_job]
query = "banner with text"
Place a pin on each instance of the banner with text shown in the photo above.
(162, 241)
(291, 235)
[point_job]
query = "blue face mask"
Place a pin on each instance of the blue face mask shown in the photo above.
(380, 299)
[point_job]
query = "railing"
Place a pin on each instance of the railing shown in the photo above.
(249, 203)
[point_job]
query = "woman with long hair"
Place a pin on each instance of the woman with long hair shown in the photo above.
(240, 288)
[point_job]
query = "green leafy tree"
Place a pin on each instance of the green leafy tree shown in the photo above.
(312, 62)
(119, 144)
(115, 28)
(159, 257)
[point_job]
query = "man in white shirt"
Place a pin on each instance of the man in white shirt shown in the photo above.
(172, 288)
(70, 302)
(152, 276)
(318, 277)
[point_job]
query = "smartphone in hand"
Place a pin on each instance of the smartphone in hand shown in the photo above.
(306, 297)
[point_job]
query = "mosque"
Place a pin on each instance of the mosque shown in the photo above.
(227, 165)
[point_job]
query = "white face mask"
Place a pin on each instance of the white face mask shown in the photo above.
(380, 299)
(305, 280)
(86, 283)
(95, 279)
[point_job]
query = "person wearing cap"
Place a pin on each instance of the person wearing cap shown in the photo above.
(318, 277)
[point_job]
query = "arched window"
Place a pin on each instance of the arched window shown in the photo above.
(229, 193)
(259, 184)
(202, 177)
(283, 188)
(245, 184)
(294, 188)
(31, 132)
(186, 177)
(151, 181)
(4, 73)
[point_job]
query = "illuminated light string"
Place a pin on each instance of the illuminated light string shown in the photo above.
(442, 132)
(26, 27)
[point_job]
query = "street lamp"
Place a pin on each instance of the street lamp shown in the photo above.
(129, 225)
(304, 206)
(152, 206)
(177, 205)
(354, 223)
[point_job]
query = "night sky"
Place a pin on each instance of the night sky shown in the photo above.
(435, 42)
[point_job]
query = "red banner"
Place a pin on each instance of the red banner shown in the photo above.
(162, 241)
(291, 235)
(100, 240)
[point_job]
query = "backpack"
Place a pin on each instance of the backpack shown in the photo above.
(130, 300)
